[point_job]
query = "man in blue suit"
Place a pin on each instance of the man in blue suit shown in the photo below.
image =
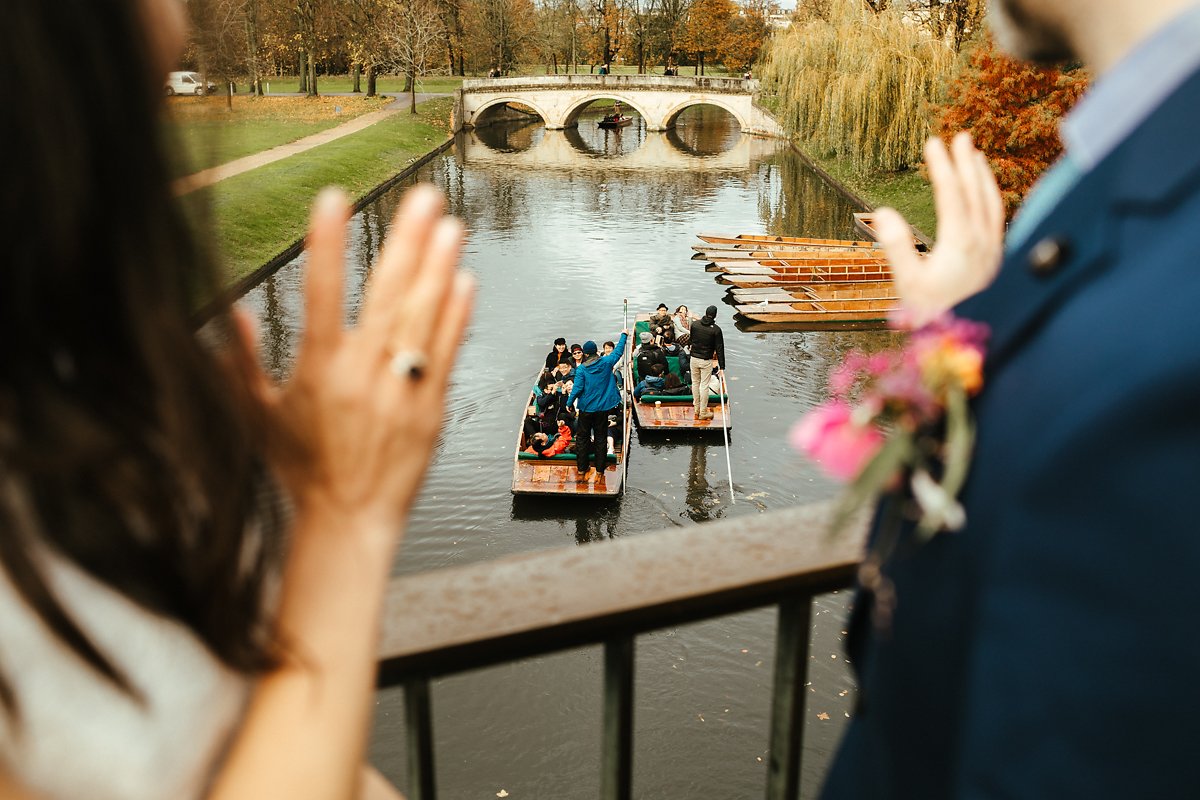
(1050, 649)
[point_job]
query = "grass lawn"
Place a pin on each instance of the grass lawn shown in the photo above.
(259, 213)
(210, 134)
(908, 192)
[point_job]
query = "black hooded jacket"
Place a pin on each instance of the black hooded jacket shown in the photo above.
(707, 340)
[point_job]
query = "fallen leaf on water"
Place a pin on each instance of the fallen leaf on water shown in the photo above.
(758, 759)
(501, 793)
(843, 692)
(744, 650)
(822, 715)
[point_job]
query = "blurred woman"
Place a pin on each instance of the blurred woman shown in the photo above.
(177, 534)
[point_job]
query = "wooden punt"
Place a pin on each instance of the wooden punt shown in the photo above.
(662, 413)
(792, 280)
(799, 272)
(533, 475)
(765, 240)
(875, 290)
(614, 121)
(865, 223)
(822, 306)
(774, 251)
(834, 261)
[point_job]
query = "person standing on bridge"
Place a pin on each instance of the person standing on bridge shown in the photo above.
(1047, 647)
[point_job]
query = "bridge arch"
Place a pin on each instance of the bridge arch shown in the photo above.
(571, 115)
(482, 112)
(671, 116)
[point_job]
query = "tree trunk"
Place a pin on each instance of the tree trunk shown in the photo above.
(370, 80)
(312, 74)
(356, 74)
(555, 57)
(462, 67)
(303, 75)
(252, 47)
(412, 92)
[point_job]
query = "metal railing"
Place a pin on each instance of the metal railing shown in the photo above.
(528, 605)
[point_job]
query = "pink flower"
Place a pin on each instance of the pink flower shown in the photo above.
(829, 435)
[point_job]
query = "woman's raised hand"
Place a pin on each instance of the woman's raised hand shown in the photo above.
(970, 233)
(357, 422)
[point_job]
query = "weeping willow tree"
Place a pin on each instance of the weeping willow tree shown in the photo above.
(859, 84)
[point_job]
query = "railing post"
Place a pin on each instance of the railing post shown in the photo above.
(616, 750)
(787, 698)
(418, 714)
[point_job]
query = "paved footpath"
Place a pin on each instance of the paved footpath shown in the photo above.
(198, 180)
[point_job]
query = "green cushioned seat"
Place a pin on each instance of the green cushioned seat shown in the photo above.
(560, 457)
(679, 398)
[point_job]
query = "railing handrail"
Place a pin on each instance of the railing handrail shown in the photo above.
(460, 618)
(644, 81)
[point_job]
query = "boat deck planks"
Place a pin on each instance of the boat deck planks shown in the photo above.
(558, 478)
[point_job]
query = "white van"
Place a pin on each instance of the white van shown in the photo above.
(187, 83)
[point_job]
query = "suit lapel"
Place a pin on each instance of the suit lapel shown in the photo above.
(1073, 243)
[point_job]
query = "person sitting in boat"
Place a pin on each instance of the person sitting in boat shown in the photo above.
(607, 349)
(561, 443)
(558, 354)
(538, 443)
(648, 355)
(576, 356)
(661, 325)
(652, 382)
(672, 385)
(681, 322)
(595, 395)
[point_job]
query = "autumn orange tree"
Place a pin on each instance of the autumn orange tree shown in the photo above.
(706, 27)
(1012, 109)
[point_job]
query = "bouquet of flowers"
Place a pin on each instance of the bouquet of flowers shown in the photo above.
(901, 416)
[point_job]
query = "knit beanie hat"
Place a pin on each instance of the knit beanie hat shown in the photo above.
(589, 348)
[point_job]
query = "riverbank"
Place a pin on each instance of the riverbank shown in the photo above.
(908, 192)
(262, 213)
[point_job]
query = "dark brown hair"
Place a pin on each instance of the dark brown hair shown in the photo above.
(126, 446)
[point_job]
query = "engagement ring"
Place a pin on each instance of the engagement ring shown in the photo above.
(408, 363)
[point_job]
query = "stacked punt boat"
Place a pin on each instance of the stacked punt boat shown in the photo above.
(804, 282)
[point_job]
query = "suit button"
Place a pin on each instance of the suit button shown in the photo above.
(1048, 255)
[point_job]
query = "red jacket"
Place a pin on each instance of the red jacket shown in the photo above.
(561, 443)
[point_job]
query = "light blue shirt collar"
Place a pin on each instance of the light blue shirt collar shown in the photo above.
(1122, 99)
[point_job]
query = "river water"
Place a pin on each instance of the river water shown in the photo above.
(562, 227)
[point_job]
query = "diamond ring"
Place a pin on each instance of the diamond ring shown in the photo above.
(408, 364)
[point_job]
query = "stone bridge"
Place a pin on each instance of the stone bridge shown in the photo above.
(565, 150)
(559, 99)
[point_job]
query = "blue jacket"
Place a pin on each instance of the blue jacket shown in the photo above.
(595, 384)
(1049, 649)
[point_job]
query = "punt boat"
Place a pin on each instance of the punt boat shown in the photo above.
(663, 413)
(763, 241)
(614, 121)
(865, 223)
(858, 305)
(556, 476)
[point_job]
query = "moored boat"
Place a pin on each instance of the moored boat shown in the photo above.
(820, 306)
(764, 241)
(797, 279)
(865, 223)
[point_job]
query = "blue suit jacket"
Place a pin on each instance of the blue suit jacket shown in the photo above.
(1052, 648)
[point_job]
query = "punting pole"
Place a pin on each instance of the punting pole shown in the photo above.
(725, 431)
(625, 389)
